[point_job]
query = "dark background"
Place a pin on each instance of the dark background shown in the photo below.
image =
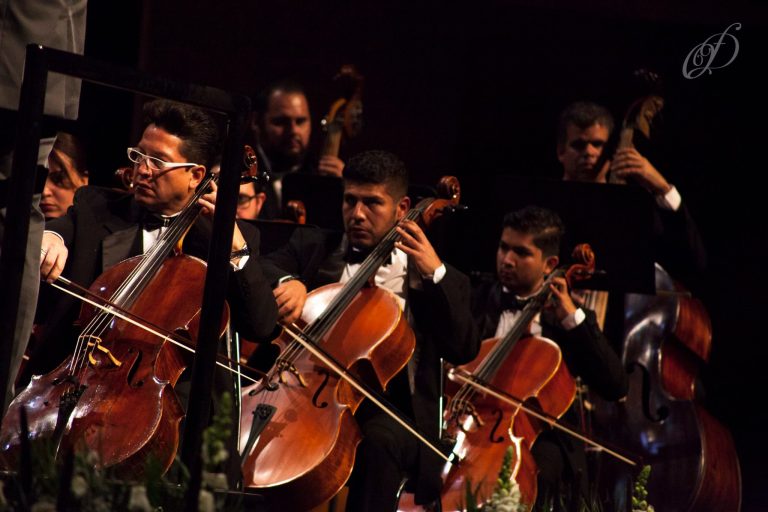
(475, 92)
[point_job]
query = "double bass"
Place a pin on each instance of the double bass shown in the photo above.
(694, 467)
(114, 395)
(345, 116)
(298, 433)
(667, 338)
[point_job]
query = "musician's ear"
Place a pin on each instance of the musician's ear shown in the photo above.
(560, 151)
(550, 264)
(403, 206)
(196, 175)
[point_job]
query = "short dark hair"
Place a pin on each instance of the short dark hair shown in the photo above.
(545, 225)
(378, 167)
(197, 128)
(261, 101)
(582, 114)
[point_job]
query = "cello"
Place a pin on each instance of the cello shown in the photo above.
(488, 411)
(114, 395)
(298, 434)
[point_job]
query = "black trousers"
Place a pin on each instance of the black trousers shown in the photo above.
(387, 454)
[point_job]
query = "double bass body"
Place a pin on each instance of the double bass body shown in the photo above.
(693, 460)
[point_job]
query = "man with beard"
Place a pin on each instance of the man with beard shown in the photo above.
(435, 298)
(282, 126)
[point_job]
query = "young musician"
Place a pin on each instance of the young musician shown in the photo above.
(528, 251)
(435, 297)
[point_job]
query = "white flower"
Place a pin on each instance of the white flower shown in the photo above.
(79, 486)
(138, 501)
(220, 456)
(92, 458)
(205, 502)
(43, 506)
(101, 505)
(215, 480)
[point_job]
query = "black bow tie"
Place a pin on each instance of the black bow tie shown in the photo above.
(354, 256)
(152, 221)
(510, 302)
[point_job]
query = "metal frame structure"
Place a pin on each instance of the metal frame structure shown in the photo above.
(39, 62)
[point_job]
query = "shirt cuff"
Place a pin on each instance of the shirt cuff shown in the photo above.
(573, 320)
(670, 201)
(55, 233)
(438, 275)
(240, 265)
(285, 279)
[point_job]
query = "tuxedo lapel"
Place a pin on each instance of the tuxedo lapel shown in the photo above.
(330, 269)
(124, 236)
(120, 245)
(492, 311)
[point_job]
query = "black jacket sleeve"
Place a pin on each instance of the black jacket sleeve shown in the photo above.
(445, 314)
(588, 354)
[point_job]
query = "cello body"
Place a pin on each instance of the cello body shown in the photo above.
(306, 452)
(694, 467)
(533, 371)
(126, 408)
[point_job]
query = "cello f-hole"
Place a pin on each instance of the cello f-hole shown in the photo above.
(492, 437)
(132, 371)
(320, 388)
(661, 412)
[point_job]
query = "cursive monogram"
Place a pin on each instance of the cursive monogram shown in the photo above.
(701, 58)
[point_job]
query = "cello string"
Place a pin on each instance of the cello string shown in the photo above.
(317, 329)
(353, 381)
(144, 272)
(490, 365)
(552, 422)
(153, 330)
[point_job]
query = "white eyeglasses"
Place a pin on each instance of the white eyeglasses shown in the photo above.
(154, 164)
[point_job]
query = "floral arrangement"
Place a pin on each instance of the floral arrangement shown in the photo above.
(640, 493)
(506, 495)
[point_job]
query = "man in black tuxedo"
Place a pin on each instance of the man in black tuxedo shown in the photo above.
(282, 126)
(435, 297)
(105, 226)
(528, 251)
(582, 134)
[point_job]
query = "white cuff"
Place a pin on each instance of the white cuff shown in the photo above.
(240, 265)
(285, 279)
(573, 320)
(670, 201)
(438, 275)
(55, 233)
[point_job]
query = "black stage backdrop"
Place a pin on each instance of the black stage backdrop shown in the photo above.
(475, 91)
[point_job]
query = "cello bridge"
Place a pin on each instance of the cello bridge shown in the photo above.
(463, 410)
(95, 343)
(285, 367)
